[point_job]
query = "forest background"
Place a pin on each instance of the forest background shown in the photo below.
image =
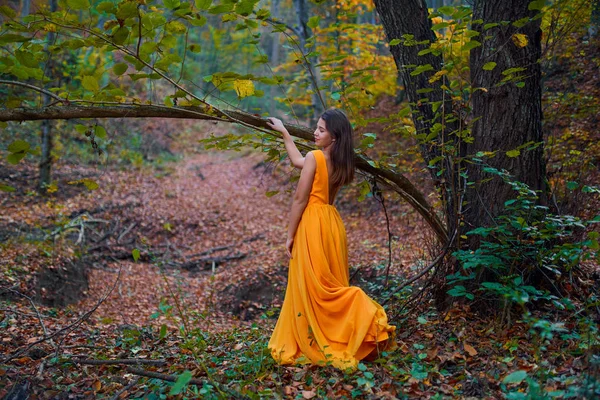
(143, 197)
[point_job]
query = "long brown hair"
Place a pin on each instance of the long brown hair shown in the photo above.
(342, 150)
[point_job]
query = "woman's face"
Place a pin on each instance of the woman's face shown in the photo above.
(323, 138)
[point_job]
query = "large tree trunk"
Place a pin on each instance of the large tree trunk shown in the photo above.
(412, 19)
(506, 116)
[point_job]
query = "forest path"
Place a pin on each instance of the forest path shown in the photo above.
(218, 199)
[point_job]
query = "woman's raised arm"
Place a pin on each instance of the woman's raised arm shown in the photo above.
(290, 146)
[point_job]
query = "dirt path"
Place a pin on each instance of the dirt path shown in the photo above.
(205, 201)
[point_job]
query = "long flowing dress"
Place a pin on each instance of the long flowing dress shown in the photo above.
(323, 320)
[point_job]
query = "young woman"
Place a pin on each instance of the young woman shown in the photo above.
(323, 320)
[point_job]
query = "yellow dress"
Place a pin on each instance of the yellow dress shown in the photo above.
(323, 320)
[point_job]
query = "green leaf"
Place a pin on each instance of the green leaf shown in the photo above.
(490, 25)
(471, 45)
(513, 153)
(536, 5)
(488, 66)
(420, 69)
(18, 146)
(12, 38)
(447, 10)
(7, 11)
(169, 101)
(203, 4)
(100, 131)
(199, 20)
(571, 185)
(515, 377)
(221, 9)
(313, 22)
(127, 9)
(163, 331)
(90, 83)
(106, 6)
(120, 35)
(14, 158)
(520, 84)
(441, 25)
(6, 188)
(136, 254)
(172, 4)
(120, 68)
(26, 58)
(181, 383)
(395, 42)
(335, 96)
(78, 4)
(272, 193)
(245, 7)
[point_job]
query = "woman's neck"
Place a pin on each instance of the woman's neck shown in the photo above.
(327, 150)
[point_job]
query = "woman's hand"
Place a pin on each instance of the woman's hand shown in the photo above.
(276, 124)
(289, 244)
(295, 156)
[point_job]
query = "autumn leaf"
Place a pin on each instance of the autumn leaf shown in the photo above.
(470, 349)
(520, 40)
(243, 87)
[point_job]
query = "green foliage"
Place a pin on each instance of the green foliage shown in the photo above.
(527, 248)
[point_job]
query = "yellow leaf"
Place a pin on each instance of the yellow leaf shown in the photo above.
(97, 385)
(243, 87)
(520, 40)
(437, 76)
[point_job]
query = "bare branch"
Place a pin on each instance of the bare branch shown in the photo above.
(37, 89)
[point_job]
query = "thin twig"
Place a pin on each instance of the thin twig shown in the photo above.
(435, 262)
(37, 89)
(66, 328)
(126, 388)
(124, 361)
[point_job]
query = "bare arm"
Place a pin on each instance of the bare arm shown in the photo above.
(290, 146)
(300, 199)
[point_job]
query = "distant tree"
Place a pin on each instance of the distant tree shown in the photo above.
(595, 18)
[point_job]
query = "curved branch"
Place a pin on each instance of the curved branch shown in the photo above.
(395, 180)
(37, 89)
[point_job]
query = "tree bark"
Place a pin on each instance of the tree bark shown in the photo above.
(507, 117)
(274, 56)
(395, 180)
(45, 172)
(413, 19)
(594, 19)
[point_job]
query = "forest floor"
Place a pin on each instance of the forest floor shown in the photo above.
(203, 296)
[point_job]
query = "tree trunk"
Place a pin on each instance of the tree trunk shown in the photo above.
(45, 177)
(507, 116)
(594, 19)
(413, 19)
(25, 6)
(274, 57)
